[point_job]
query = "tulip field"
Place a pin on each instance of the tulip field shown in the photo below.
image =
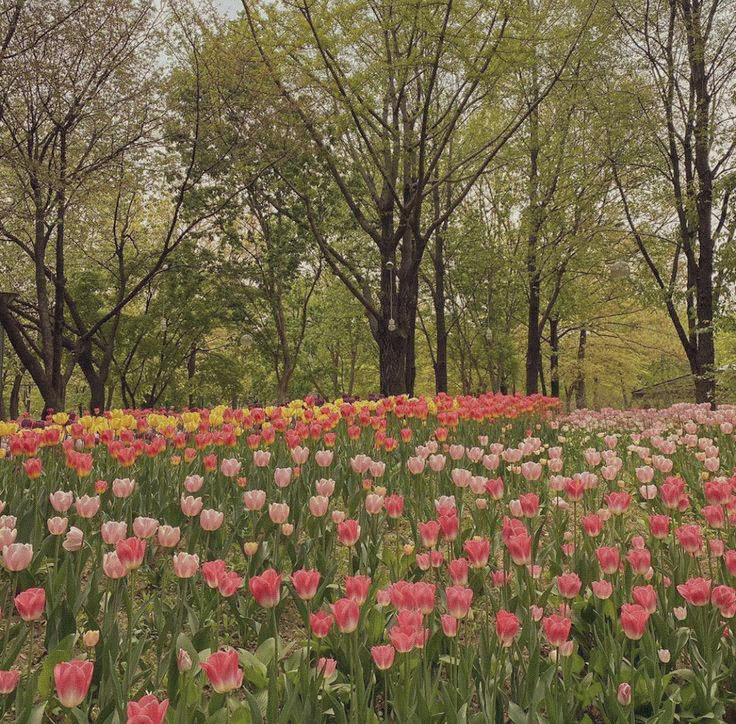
(445, 559)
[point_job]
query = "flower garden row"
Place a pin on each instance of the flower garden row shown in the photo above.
(435, 559)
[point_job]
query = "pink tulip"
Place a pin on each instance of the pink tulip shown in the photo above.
(144, 527)
(17, 556)
(211, 520)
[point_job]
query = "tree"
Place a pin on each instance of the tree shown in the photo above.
(683, 55)
(83, 115)
(382, 91)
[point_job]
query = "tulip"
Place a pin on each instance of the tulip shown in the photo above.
(123, 487)
(112, 567)
(72, 680)
(254, 499)
(17, 556)
(229, 583)
(191, 506)
(31, 603)
(320, 622)
(211, 520)
(305, 583)
(9, 681)
(168, 536)
(144, 527)
(357, 587)
(458, 570)
(278, 513)
(61, 500)
(222, 670)
(646, 597)
(459, 600)
(507, 627)
(193, 483)
(347, 613)
(147, 710)
(326, 666)
(449, 625)
(57, 525)
(90, 638)
(478, 551)
(185, 564)
(634, 620)
(557, 629)
(325, 486)
(130, 552)
(569, 585)
(348, 532)
(266, 588)
(73, 540)
(383, 656)
(212, 572)
(318, 505)
(623, 694)
(696, 591)
(87, 506)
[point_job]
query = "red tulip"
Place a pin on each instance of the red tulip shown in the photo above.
(320, 622)
(130, 552)
(383, 656)
(696, 591)
(459, 600)
(458, 570)
(229, 583)
(646, 597)
(357, 587)
(223, 671)
(429, 533)
(507, 627)
(659, 526)
(557, 629)
(569, 585)
(449, 625)
(724, 598)
(592, 524)
(147, 710)
(348, 532)
(520, 548)
(478, 551)
(8, 681)
(212, 571)
(266, 588)
(31, 603)
(73, 679)
(347, 614)
(306, 583)
(633, 620)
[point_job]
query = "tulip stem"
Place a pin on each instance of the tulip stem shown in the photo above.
(30, 653)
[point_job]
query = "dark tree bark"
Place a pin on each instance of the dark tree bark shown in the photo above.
(581, 398)
(554, 360)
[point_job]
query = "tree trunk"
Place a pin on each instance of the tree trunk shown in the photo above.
(440, 364)
(580, 395)
(533, 341)
(554, 359)
(15, 396)
(191, 369)
(392, 360)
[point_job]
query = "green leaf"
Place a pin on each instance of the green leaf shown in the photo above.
(63, 652)
(517, 714)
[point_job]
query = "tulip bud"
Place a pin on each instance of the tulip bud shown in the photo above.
(90, 638)
(624, 694)
(250, 547)
(183, 661)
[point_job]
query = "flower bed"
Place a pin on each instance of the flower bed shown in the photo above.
(443, 559)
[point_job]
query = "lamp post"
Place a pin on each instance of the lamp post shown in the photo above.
(5, 299)
(391, 321)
